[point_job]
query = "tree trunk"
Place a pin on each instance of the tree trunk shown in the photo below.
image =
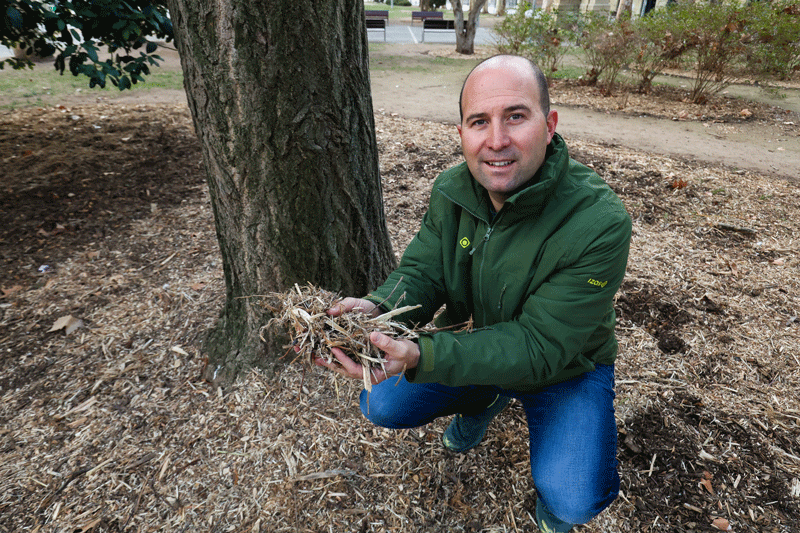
(280, 97)
(465, 30)
(501, 8)
(625, 7)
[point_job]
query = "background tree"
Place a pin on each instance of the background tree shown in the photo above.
(280, 96)
(431, 5)
(76, 30)
(501, 8)
(465, 29)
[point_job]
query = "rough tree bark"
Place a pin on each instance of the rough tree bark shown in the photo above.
(280, 97)
(465, 30)
(501, 8)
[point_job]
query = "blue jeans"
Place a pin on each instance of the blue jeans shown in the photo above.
(573, 433)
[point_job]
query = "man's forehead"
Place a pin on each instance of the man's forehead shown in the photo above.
(492, 92)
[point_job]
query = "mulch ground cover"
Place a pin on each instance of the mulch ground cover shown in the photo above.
(111, 274)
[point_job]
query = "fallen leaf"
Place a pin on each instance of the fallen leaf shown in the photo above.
(179, 350)
(722, 524)
(11, 290)
(746, 113)
(68, 323)
(779, 261)
(198, 286)
(678, 183)
(706, 482)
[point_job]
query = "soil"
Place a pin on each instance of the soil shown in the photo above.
(110, 274)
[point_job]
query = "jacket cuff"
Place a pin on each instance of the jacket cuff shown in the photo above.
(426, 358)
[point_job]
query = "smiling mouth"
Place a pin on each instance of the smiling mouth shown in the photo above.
(498, 163)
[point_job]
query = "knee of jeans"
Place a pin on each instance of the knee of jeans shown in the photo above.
(574, 507)
(380, 411)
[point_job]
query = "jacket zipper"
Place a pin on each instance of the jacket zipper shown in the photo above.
(500, 303)
(483, 242)
(475, 248)
(485, 238)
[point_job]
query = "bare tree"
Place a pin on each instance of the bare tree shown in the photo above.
(465, 29)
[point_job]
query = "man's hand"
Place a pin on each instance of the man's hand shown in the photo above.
(400, 355)
(347, 305)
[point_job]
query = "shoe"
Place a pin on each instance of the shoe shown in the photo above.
(548, 523)
(465, 431)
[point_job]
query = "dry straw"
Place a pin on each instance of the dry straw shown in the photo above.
(303, 313)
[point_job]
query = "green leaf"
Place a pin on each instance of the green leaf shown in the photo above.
(124, 83)
(91, 51)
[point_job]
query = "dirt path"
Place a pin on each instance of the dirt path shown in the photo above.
(406, 81)
(765, 148)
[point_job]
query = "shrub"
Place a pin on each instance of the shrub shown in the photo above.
(773, 31)
(655, 46)
(536, 34)
(609, 46)
(713, 32)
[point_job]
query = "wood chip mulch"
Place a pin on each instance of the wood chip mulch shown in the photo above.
(106, 426)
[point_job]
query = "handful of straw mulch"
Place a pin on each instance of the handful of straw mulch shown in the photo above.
(302, 313)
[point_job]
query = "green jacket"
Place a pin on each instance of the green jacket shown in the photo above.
(538, 279)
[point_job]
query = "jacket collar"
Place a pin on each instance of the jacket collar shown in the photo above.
(465, 191)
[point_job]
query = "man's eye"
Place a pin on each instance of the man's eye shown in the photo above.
(479, 122)
(516, 116)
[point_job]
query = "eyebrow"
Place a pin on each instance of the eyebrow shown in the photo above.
(508, 110)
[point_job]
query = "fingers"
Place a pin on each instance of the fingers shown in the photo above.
(400, 355)
(342, 365)
(347, 305)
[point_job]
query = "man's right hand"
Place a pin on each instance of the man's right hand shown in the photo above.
(347, 305)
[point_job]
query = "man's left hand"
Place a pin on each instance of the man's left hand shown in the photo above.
(400, 356)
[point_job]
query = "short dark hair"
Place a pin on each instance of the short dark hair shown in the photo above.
(538, 75)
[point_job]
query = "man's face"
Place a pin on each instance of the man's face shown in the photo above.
(504, 133)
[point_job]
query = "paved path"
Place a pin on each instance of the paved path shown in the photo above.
(412, 34)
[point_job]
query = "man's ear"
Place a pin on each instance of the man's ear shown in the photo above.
(552, 122)
(458, 127)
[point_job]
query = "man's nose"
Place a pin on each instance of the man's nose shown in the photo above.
(498, 136)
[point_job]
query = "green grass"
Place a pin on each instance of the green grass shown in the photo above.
(568, 72)
(415, 64)
(43, 85)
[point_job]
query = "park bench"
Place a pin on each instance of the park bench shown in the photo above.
(424, 15)
(437, 26)
(377, 24)
(371, 14)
